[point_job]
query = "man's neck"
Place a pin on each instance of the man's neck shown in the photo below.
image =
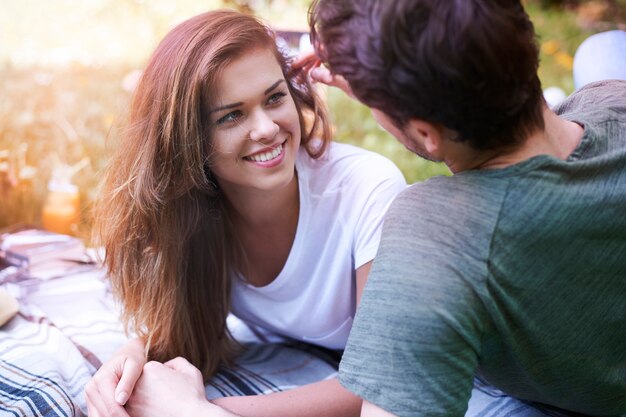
(559, 138)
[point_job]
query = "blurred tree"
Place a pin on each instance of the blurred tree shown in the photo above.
(591, 10)
(68, 69)
(285, 14)
(556, 3)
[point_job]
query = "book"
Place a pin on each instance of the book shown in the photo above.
(32, 247)
(8, 306)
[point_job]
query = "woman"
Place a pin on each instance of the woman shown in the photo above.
(220, 198)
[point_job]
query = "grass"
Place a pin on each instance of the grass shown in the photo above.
(55, 116)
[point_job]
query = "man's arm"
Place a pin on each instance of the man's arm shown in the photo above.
(172, 389)
(323, 398)
(176, 388)
(413, 349)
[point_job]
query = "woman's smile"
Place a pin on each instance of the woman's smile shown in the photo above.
(268, 158)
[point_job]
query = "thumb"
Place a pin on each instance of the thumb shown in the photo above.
(324, 76)
(305, 60)
(131, 372)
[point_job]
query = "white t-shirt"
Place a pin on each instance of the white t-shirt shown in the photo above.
(343, 198)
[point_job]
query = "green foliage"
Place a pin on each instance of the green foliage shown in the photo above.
(558, 35)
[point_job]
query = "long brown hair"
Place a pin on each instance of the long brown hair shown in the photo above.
(170, 248)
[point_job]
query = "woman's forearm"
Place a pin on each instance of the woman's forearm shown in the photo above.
(324, 398)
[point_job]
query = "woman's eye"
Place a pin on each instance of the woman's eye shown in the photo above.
(276, 98)
(230, 117)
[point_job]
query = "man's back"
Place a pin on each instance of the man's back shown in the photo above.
(557, 273)
(518, 274)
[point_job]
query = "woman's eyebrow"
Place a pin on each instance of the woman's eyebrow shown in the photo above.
(226, 107)
(273, 86)
(234, 105)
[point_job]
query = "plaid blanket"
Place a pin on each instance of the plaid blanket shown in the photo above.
(67, 327)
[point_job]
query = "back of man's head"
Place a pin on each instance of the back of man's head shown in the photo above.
(469, 65)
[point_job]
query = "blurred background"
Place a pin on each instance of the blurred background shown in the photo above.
(67, 70)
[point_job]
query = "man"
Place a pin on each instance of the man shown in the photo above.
(513, 269)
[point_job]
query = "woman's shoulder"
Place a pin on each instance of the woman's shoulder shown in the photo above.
(344, 164)
(340, 153)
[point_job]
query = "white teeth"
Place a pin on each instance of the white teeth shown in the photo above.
(262, 157)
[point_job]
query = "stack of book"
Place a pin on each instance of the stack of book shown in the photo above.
(41, 253)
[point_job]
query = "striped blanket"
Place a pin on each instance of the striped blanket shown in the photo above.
(67, 327)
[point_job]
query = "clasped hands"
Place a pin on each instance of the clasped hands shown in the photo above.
(127, 386)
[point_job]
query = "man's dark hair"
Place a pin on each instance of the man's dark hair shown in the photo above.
(469, 65)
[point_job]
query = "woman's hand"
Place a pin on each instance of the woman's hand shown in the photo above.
(171, 389)
(110, 387)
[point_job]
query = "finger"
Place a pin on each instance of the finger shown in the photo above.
(301, 69)
(184, 366)
(131, 372)
(342, 84)
(323, 75)
(304, 60)
(179, 364)
(103, 399)
(98, 406)
(91, 409)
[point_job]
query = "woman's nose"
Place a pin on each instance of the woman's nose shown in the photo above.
(263, 127)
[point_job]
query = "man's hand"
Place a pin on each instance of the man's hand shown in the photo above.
(171, 389)
(311, 64)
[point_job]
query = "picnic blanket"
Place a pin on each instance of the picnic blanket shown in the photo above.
(68, 326)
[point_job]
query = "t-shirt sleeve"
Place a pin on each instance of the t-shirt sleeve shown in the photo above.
(414, 346)
(379, 182)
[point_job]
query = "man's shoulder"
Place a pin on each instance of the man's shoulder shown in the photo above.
(455, 191)
(600, 98)
(459, 207)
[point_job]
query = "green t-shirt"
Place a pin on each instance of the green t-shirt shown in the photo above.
(516, 274)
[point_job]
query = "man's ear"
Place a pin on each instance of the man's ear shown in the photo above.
(429, 135)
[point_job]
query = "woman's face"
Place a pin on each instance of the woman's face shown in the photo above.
(256, 130)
